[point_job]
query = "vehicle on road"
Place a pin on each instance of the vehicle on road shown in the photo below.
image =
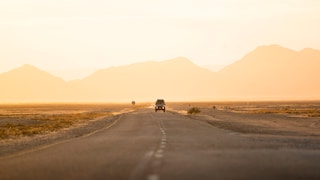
(160, 105)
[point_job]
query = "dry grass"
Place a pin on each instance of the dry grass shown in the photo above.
(299, 108)
(292, 111)
(40, 124)
(29, 120)
(272, 118)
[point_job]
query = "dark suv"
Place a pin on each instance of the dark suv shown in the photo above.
(160, 105)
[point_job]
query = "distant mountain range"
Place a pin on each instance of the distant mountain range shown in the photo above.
(266, 73)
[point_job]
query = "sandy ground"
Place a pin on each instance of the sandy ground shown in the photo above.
(238, 118)
(284, 129)
(19, 115)
(279, 130)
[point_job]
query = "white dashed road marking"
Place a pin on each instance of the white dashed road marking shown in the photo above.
(159, 154)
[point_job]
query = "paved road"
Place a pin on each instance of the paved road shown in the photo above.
(154, 146)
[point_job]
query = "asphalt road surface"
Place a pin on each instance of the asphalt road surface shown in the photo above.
(158, 146)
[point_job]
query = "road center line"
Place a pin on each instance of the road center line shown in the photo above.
(158, 155)
(139, 170)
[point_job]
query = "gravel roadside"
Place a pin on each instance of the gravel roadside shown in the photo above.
(11, 147)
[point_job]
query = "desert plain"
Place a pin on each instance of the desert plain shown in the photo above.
(219, 136)
(25, 126)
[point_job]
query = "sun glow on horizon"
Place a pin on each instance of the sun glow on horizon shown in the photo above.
(58, 35)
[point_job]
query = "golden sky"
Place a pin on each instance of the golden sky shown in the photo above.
(58, 35)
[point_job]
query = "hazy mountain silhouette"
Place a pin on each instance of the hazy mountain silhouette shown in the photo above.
(273, 72)
(175, 79)
(268, 72)
(29, 84)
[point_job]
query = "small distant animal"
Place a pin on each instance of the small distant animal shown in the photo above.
(133, 102)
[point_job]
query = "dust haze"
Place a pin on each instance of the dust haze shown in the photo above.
(266, 73)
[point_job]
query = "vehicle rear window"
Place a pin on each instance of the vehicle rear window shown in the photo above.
(160, 102)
